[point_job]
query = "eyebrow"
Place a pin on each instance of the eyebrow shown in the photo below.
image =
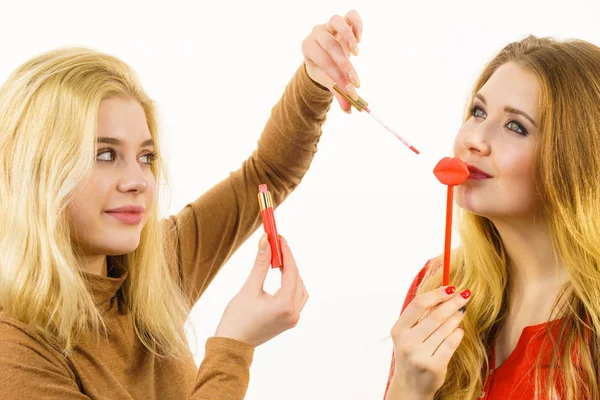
(511, 110)
(119, 142)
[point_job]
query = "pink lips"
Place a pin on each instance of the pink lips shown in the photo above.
(130, 215)
(476, 173)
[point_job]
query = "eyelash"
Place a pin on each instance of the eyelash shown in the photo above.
(523, 132)
(151, 156)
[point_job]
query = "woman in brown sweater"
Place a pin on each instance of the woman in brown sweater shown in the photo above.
(94, 287)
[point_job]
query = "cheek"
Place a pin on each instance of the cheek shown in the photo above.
(517, 176)
(151, 191)
(517, 166)
(81, 218)
(88, 202)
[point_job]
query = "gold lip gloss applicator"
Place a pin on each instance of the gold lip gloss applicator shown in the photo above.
(360, 104)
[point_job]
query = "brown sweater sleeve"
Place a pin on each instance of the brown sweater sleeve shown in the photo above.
(208, 231)
(32, 370)
(225, 370)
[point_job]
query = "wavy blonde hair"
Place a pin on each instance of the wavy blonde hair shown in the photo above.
(48, 119)
(568, 181)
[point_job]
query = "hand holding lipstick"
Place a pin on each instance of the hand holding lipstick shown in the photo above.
(254, 316)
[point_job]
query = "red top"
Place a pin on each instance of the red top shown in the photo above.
(515, 378)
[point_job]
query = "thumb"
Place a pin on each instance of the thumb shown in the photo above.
(262, 262)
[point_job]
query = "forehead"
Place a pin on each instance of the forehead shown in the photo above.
(512, 86)
(122, 117)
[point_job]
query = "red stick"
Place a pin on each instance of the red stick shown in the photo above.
(448, 239)
(450, 172)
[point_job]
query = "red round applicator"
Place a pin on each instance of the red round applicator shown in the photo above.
(451, 172)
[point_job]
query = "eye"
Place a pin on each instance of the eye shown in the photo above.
(148, 158)
(106, 155)
(517, 128)
(478, 112)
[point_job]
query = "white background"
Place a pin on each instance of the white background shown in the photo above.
(369, 213)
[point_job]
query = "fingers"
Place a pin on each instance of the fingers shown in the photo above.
(259, 271)
(338, 25)
(318, 57)
(442, 333)
(448, 347)
(322, 50)
(292, 296)
(342, 63)
(439, 315)
(423, 303)
(353, 19)
(327, 51)
(289, 272)
(301, 294)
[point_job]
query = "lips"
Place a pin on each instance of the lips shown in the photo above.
(476, 173)
(133, 209)
(451, 171)
(130, 215)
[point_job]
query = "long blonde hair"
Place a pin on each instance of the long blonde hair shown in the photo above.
(48, 119)
(568, 181)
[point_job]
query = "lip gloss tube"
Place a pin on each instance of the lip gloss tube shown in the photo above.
(265, 200)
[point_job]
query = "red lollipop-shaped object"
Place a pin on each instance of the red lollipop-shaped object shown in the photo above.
(450, 172)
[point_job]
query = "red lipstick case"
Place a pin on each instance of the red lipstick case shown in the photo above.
(265, 200)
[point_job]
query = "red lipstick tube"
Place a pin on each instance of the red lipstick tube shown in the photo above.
(265, 200)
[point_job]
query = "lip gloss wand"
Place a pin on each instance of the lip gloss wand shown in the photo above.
(361, 105)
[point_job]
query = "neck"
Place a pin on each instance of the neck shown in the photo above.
(94, 264)
(533, 269)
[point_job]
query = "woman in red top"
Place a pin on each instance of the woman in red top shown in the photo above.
(530, 226)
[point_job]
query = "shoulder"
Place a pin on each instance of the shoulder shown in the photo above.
(32, 368)
(22, 344)
(14, 331)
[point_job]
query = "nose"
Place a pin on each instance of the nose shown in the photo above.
(477, 140)
(133, 179)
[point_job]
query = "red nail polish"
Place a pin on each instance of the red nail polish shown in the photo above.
(465, 294)
(450, 289)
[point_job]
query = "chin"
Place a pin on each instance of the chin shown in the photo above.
(475, 206)
(121, 246)
(479, 213)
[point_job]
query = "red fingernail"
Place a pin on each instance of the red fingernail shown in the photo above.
(465, 294)
(450, 289)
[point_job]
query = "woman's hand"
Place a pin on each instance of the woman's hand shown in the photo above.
(254, 316)
(425, 337)
(327, 52)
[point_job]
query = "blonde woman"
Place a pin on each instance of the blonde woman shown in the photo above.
(94, 288)
(529, 230)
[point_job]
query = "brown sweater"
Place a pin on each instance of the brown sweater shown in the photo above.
(207, 232)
